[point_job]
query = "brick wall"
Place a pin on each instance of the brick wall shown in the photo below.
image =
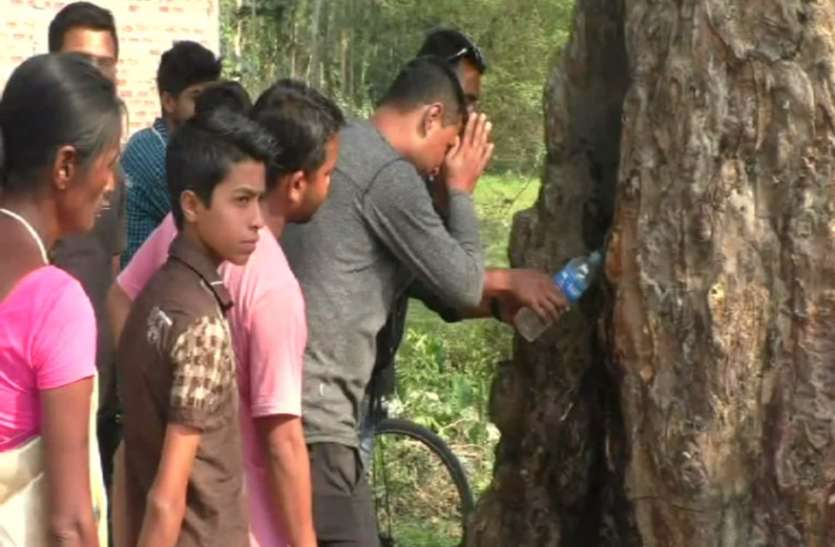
(146, 28)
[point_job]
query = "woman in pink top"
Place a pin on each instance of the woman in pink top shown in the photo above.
(60, 127)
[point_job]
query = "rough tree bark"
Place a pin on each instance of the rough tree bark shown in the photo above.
(690, 401)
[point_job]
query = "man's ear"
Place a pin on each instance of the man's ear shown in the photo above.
(169, 102)
(190, 204)
(296, 187)
(64, 167)
(433, 117)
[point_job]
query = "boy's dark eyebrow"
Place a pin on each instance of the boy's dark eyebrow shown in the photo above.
(247, 190)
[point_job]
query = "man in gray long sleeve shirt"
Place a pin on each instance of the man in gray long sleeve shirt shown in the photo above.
(377, 232)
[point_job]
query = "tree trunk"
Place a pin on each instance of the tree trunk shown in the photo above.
(345, 83)
(314, 68)
(238, 39)
(294, 46)
(690, 400)
(326, 63)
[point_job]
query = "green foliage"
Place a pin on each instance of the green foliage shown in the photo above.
(415, 497)
(497, 199)
(352, 49)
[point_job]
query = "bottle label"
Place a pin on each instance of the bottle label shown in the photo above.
(571, 283)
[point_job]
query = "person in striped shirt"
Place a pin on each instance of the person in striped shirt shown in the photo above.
(184, 72)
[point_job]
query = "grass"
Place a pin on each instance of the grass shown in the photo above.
(444, 370)
(415, 497)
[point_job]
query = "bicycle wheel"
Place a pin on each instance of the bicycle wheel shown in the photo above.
(420, 490)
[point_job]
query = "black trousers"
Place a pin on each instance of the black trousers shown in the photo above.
(343, 510)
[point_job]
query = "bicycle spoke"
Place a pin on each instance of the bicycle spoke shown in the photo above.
(420, 486)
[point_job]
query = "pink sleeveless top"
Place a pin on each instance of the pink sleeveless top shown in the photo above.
(47, 340)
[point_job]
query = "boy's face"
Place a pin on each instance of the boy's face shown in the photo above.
(180, 109)
(97, 44)
(315, 185)
(229, 226)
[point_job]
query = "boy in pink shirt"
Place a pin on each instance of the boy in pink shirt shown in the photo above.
(268, 320)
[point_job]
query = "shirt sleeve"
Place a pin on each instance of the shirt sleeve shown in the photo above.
(148, 259)
(64, 348)
(203, 373)
(276, 351)
(447, 260)
(447, 313)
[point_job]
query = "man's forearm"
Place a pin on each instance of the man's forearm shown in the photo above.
(162, 523)
(497, 282)
(496, 285)
(165, 507)
(504, 291)
(289, 475)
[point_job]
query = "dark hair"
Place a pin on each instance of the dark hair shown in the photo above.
(426, 80)
(451, 46)
(302, 121)
(80, 15)
(224, 94)
(51, 101)
(203, 149)
(185, 64)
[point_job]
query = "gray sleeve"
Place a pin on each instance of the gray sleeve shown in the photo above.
(444, 311)
(448, 261)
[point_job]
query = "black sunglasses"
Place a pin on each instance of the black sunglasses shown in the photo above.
(472, 52)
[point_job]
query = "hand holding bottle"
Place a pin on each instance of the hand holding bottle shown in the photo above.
(537, 291)
(573, 280)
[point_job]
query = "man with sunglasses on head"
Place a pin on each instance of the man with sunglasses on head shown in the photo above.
(462, 55)
(376, 232)
(505, 291)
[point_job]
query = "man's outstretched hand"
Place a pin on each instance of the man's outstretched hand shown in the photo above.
(465, 162)
(535, 290)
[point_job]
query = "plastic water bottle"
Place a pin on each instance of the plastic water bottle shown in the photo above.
(573, 280)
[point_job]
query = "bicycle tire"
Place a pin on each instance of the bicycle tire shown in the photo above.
(427, 437)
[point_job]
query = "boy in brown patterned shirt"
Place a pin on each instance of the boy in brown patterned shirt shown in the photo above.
(176, 363)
